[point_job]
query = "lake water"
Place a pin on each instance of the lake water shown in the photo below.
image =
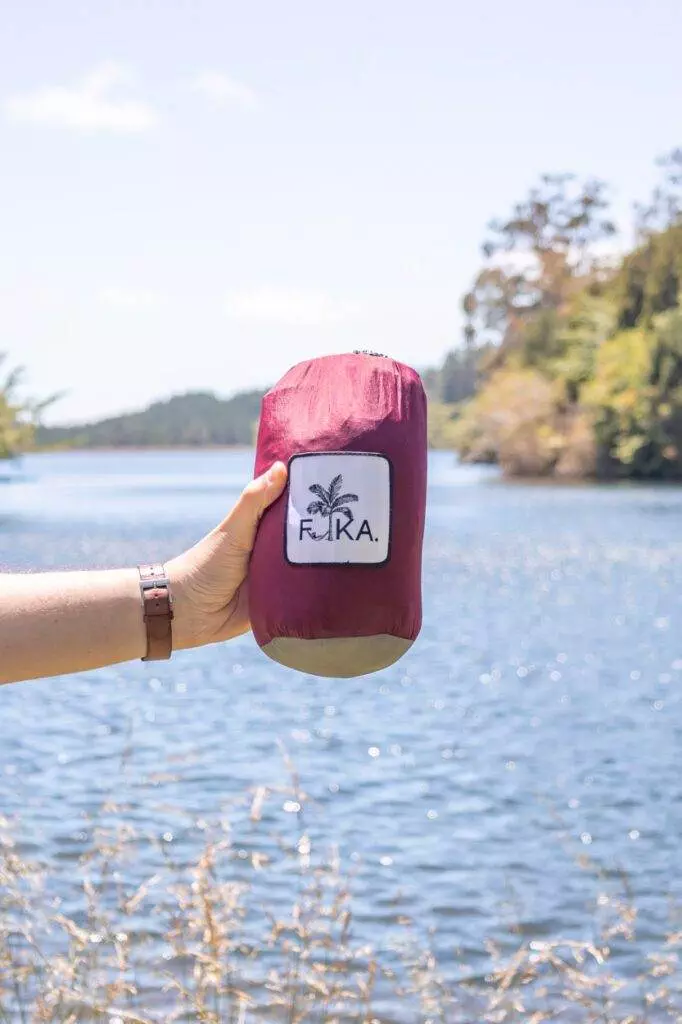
(537, 718)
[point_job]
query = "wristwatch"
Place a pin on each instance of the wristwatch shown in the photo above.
(157, 609)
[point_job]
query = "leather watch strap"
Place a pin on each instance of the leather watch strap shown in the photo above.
(157, 607)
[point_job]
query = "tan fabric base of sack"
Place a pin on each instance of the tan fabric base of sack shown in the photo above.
(342, 657)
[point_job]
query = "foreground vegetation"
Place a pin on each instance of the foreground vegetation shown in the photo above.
(212, 939)
(16, 417)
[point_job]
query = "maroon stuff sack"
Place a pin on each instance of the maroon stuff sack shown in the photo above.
(335, 576)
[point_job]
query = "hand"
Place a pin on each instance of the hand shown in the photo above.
(209, 582)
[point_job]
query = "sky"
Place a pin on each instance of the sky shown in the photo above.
(196, 194)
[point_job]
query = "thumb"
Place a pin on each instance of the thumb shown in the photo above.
(242, 522)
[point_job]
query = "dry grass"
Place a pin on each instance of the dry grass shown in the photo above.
(214, 953)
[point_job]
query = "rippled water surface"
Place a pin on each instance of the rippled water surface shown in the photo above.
(538, 717)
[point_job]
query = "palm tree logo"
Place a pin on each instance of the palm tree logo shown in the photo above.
(330, 503)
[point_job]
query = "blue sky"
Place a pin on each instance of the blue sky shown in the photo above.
(199, 194)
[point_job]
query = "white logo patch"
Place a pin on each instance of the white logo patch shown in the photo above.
(339, 509)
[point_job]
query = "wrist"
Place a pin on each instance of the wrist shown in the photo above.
(129, 583)
(183, 629)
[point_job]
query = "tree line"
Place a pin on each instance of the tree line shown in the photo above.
(577, 349)
(195, 419)
(570, 364)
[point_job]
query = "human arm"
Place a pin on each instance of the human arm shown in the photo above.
(54, 623)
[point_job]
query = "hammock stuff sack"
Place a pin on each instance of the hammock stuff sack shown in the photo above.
(335, 575)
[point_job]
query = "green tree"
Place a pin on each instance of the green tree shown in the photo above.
(665, 205)
(442, 425)
(458, 375)
(636, 399)
(648, 281)
(16, 417)
(586, 376)
(537, 258)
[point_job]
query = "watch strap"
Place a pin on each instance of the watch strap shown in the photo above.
(157, 609)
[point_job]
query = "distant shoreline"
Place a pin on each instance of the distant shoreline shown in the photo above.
(62, 449)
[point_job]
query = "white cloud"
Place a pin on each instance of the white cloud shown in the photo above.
(288, 308)
(86, 106)
(225, 91)
(129, 298)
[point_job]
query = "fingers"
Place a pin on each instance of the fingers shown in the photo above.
(242, 522)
